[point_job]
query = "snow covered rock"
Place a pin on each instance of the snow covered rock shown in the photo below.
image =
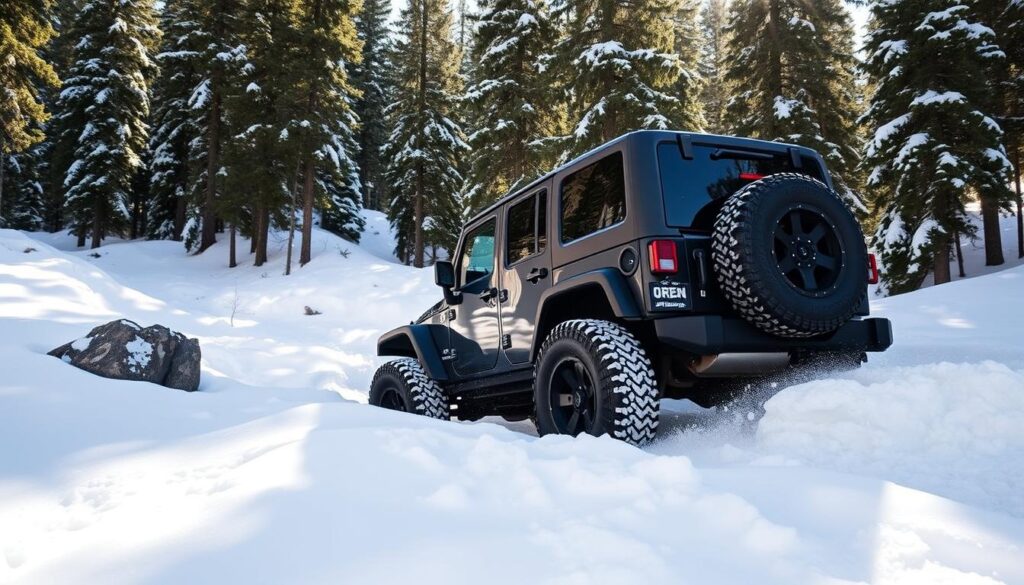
(125, 351)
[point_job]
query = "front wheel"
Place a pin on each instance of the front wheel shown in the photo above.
(594, 377)
(404, 385)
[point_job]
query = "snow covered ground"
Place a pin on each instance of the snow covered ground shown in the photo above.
(910, 470)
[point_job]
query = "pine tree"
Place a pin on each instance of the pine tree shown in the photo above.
(1010, 32)
(620, 70)
(322, 126)
(25, 28)
(104, 106)
(792, 74)
(932, 140)
(261, 159)
(510, 98)
(372, 78)
(217, 36)
(173, 124)
(425, 145)
(23, 207)
(714, 17)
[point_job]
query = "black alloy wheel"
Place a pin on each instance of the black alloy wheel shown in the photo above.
(573, 398)
(391, 399)
(808, 251)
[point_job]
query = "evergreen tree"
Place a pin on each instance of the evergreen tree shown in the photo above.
(510, 98)
(620, 69)
(714, 96)
(932, 139)
(426, 142)
(372, 79)
(792, 74)
(104, 106)
(221, 55)
(25, 28)
(1010, 33)
(23, 206)
(322, 120)
(173, 121)
(262, 159)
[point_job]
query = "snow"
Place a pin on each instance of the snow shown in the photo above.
(906, 471)
(933, 97)
(139, 353)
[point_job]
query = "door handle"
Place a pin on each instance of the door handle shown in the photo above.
(488, 294)
(536, 274)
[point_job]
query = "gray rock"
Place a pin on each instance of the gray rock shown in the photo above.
(124, 351)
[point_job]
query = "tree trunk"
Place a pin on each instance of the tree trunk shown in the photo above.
(81, 235)
(97, 231)
(232, 261)
(942, 275)
(262, 234)
(208, 236)
(993, 239)
(418, 208)
(3, 159)
(959, 255)
(179, 218)
(774, 68)
(291, 223)
(1020, 203)
(307, 214)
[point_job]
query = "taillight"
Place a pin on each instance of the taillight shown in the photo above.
(663, 256)
(872, 269)
(751, 176)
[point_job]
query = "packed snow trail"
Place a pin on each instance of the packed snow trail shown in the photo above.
(269, 474)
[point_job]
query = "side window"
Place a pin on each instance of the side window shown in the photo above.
(477, 260)
(593, 198)
(526, 228)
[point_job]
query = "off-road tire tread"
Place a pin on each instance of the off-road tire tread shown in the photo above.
(731, 243)
(625, 373)
(428, 398)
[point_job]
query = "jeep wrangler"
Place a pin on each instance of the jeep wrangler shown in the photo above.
(661, 264)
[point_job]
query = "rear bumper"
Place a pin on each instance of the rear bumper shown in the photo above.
(712, 334)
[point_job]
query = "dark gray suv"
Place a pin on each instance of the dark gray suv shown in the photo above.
(661, 264)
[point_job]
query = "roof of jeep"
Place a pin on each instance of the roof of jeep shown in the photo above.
(650, 136)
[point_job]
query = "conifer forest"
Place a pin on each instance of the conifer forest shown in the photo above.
(229, 120)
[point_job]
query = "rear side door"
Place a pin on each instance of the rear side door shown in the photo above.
(526, 271)
(473, 328)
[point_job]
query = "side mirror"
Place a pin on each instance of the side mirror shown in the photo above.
(444, 274)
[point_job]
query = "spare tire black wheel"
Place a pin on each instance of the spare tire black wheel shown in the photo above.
(790, 256)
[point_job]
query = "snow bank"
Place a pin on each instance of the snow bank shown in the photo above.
(955, 430)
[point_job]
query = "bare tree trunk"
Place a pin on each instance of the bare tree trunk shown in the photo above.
(418, 208)
(232, 261)
(97, 232)
(942, 275)
(208, 236)
(81, 235)
(291, 223)
(959, 255)
(179, 218)
(3, 159)
(262, 234)
(1020, 218)
(307, 214)
(993, 239)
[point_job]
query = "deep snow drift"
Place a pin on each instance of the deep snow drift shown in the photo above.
(907, 471)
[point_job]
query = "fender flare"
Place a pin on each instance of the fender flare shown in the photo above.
(415, 341)
(614, 285)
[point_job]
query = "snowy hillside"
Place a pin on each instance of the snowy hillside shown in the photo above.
(910, 470)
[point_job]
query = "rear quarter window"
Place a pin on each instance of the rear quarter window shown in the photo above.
(593, 198)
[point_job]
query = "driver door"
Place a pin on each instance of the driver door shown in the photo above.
(474, 326)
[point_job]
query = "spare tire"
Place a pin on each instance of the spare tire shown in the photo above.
(790, 256)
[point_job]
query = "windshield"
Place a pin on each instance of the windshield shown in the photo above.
(713, 173)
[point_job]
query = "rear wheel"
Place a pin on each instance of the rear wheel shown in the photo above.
(403, 385)
(594, 377)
